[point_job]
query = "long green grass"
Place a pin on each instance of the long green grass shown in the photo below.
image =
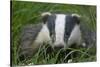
(24, 13)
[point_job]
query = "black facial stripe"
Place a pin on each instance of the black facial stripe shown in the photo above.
(51, 26)
(69, 25)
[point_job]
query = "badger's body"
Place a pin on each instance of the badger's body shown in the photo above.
(57, 30)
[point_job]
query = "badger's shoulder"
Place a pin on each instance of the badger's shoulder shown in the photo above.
(88, 34)
(28, 35)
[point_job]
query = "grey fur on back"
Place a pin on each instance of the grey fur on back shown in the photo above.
(88, 35)
(28, 35)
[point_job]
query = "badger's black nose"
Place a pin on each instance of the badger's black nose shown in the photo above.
(59, 46)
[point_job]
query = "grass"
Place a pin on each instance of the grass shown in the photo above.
(24, 13)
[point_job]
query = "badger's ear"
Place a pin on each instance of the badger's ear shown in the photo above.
(45, 16)
(76, 18)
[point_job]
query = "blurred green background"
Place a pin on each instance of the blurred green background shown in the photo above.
(24, 13)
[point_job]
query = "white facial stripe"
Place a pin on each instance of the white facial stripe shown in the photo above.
(60, 28)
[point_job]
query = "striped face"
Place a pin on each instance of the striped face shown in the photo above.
(62, 28)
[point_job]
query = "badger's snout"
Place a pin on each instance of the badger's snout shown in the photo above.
(59, 46)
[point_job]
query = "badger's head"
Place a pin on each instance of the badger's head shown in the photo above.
(64, 29)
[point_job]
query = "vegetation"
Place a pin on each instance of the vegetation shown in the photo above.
(24, 13)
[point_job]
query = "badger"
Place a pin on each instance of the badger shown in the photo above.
(57, 30)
